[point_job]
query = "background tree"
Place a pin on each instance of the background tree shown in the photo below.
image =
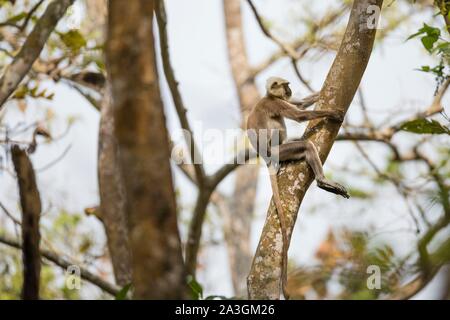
(158, 269)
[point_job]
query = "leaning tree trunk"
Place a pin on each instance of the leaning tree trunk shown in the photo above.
(157, 265)
(239, 211)
(30, 203)
(264, 281)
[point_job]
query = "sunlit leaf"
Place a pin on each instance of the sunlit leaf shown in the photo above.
(424, 126)
(73, 40)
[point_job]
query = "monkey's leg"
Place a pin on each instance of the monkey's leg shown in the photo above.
(299, 150)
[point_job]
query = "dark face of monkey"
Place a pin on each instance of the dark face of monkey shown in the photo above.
(281, 90)
(287, 90)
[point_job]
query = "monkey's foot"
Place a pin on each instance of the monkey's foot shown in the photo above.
(333, 187)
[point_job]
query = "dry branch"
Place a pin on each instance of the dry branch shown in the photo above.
(32, 48)
(64, 264)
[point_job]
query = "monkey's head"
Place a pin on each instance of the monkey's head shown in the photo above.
(278, 87)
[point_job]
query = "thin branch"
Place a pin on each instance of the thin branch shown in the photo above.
(96, 103)
(32, 48)
(226, 169)
(363, 105)
(398, 186)
(9, 214)
(435, 261)
(64, 264)
(385, 135)
(10, 23)
(300, 76)
(54, 161)
(30, 15)
(285, 47)
(300, 42)
(176, 96)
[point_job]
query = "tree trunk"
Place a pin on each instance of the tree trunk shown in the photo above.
(294, 179)
(31, 212)
(112, 197)
(239, 212)
(157, 265)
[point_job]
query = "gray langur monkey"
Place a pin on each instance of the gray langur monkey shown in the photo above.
(267, 133)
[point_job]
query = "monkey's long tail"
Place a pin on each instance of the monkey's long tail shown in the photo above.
(282, 218)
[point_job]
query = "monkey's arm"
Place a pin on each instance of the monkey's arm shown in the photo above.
(290, 111)
(306, 102)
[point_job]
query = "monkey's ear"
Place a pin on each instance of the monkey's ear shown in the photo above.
(274, 84)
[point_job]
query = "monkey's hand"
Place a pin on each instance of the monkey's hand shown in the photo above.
(306, 102)
(336, 116)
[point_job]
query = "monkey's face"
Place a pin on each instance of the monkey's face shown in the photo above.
(279, 88)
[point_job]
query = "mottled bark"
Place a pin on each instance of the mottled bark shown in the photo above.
(30, 203)
(238, 216)
(112, 197)
(32, 48)
(294, 179)
(111, 189)
(157, 265)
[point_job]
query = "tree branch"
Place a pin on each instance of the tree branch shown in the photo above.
(64, 264)
(285, 47)
(301, 42)
(176, 96)
(32, 48)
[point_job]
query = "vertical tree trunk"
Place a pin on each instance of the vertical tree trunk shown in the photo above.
(112, 197)
(111, 189)
(237, 223)
(31, 212)
(158, 270)
(337, 93)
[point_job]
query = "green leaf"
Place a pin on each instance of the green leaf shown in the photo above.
(428, 41)
(196, 288)
(122, 294)
(73, 40)
(425, 68)
(424, 126)
(428, 30)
